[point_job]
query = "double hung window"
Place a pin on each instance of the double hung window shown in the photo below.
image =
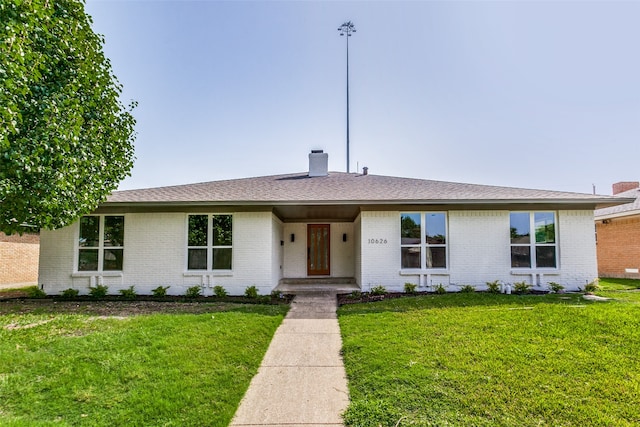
(210, 242)
(533, 240)
(423, 240)
(101, 243)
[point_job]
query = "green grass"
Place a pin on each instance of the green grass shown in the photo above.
(494, 360)
(148, 370)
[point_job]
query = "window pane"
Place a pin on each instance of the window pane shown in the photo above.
(436, 257)
(520, 227)
(222, 259)
(197, 259)
(88, 260)
(222, 230)
(546, 256)
(89, 231)
(521, 256)
(409, 228)
(112, 259)
(114, 231)
(436, 228)
(545, 227)
(411, 257)
(198, 228)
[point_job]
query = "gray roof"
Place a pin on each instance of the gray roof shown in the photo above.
(632, 208)
(339, 188)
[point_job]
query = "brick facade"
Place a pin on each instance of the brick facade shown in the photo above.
(19, 258)
(478, 252)
(619, 247)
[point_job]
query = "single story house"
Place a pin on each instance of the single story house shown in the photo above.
(618, 234)
(325, 226)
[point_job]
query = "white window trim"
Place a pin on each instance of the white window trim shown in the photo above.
(209, 271)
(424, 270)
(534, 269)
(101, 248)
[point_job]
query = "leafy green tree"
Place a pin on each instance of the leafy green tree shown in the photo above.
(66, 140)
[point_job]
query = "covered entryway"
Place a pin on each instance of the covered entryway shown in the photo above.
(318, 249)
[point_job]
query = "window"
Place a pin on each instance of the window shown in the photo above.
(209, 242)
(101, 243)
(423, 240)
(539, 251)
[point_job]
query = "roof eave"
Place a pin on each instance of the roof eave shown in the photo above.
(595, 202)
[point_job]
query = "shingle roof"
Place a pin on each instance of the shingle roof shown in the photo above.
(624, 209)
(343, 188)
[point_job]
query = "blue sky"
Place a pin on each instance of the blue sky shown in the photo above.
(536, 94)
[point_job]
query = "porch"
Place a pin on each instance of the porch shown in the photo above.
(338, 285)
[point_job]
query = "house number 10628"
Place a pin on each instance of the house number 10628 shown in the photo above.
(377, 241)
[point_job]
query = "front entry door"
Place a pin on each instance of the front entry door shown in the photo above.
(318, 249)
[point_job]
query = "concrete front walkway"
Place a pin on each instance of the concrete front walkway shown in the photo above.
(301, 381)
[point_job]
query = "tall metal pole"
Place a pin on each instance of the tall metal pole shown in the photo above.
(346, 29)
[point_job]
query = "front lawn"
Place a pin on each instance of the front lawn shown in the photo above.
(61, 368)
(494, 360)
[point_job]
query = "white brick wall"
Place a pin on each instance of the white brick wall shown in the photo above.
(155, 253)
(578, 251)
(357, 249)
(479, 251)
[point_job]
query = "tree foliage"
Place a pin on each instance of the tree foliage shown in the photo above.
(66, 140)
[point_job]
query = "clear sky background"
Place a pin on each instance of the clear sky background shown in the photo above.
(536, 94)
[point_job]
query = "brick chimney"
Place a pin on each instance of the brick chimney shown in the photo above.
(623, 186)
(318, 163)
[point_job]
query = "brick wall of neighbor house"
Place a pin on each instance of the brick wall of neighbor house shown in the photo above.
(619, 247)
(478, 252)
(19, 258)
(155, 254)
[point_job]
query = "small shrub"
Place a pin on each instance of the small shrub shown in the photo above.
(251, 292)
(35, 292)
(493, 287)
(592, 286)
(128, 293)
(276, 294)
(193, 292)
(70, 293)
(160, 291)
(99, 291)
(355, 295)
(410, 288)
(440, 289)
(555, 287)
(220, 291)
(522, 287)
(468, 289)
(378, 290)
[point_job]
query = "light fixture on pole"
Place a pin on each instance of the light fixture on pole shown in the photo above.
(345, 30)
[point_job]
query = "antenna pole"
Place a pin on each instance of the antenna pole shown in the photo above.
(345, 30)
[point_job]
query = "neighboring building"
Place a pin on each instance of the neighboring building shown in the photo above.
(367, 229)
(618, 234)
(19, 258)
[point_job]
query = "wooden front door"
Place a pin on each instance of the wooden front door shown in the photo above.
(318, 249)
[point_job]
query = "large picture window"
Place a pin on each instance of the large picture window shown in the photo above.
(101, 243)
(210, 242)
(423, 240)
(533, 240)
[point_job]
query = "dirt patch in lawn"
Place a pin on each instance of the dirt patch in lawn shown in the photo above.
(119, 308)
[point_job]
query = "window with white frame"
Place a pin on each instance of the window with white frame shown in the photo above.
(209, 242)
(533, 251)
(101, 243)
(423, 240)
